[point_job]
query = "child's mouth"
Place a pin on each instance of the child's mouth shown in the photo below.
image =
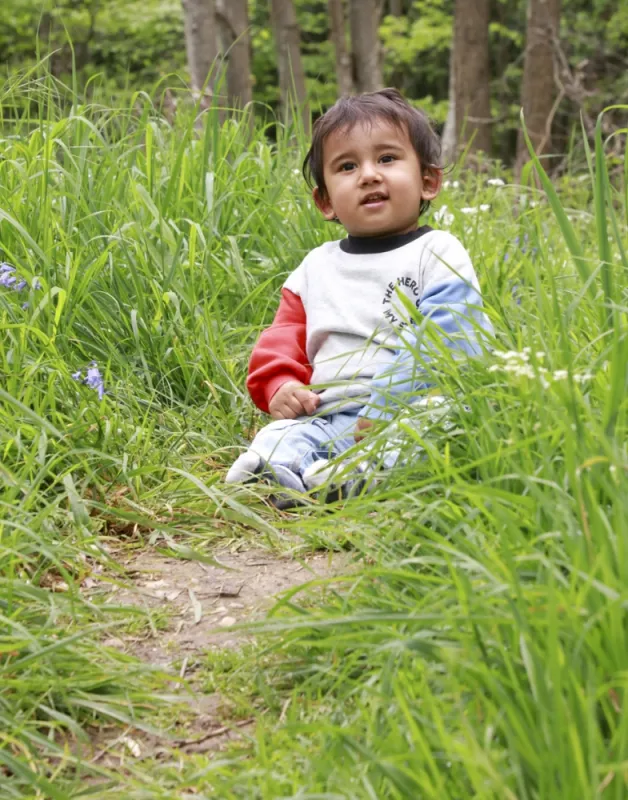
(374, 200)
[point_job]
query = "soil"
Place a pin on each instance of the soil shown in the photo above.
(192, 608)
(199, 599)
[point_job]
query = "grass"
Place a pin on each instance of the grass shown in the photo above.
(479, 649)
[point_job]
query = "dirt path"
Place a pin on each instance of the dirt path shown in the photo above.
(188, 603)
(193, 599)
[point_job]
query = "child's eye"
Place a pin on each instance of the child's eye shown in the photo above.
(387, 159)
(347, 166)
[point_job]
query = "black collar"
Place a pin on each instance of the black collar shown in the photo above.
(359, 245)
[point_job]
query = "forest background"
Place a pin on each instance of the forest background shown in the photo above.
(569, 60)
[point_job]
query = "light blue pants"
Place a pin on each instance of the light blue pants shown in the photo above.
(289, 446)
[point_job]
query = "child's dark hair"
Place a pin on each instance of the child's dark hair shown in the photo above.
(388, 105)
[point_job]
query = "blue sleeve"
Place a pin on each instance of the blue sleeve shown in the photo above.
(455, 306)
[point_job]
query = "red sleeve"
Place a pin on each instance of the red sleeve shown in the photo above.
(279, 354)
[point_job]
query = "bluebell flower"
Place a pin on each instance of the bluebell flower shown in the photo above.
(7, 278)
(95, 380)
(25, 306)
(10, 279)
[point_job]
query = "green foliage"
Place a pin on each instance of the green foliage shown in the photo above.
(135, 44)
(483, 616)
(416, 49)
(120, 39)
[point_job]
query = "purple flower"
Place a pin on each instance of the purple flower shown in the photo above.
(7, 278)
(95, 380)
(25, 306)
(10, 279)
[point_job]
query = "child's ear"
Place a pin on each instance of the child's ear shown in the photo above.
(432, 182)
(323, 204)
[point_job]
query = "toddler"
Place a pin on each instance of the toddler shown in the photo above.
(342, 350)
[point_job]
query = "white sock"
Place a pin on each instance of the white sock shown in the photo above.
(318, 473)
(324, 471)
(244, 468)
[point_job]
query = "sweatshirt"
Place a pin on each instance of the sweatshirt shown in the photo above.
(343, 327)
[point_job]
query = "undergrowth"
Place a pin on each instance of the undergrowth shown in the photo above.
(479, 648)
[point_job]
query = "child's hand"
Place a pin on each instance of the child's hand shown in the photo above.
(361, 428)
(293, 400)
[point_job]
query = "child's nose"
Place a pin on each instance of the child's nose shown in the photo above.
(369, 172)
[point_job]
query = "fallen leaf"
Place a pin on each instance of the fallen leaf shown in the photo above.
(132, 746)
(196, 607)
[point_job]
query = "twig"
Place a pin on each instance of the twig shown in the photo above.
(213, 734)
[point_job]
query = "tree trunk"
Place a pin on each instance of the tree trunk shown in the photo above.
(471, 61)
(365, 46)
(201, 44)
(449, 131)
(396, 8)
(233, 27)
(538, 88)
(291, 74)
(338, 34)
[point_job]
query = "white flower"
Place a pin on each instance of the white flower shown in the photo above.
(496, 182)
(512, 355)
(560, 375)
(296, 172)
(475, 209)
(443, 216)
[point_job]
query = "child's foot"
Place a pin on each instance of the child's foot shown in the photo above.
(245, 468)
(339, 481)
(250, 467)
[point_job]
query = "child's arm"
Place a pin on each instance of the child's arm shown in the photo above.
(451, 299)
(279, 355)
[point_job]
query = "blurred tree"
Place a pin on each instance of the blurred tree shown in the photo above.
(538, 90)
(291, 74)
(338, 33)
(449, 137)
(472, 74)
(235, 43)
(396, 8)
(201, 43)
(136, 44)
(365, 45)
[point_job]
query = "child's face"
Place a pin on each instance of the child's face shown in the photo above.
(374, 180)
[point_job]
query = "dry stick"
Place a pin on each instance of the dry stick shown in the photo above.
(571, 85)
(550, 120)
(213, 734)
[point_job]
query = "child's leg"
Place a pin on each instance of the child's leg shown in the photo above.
(285, 448)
